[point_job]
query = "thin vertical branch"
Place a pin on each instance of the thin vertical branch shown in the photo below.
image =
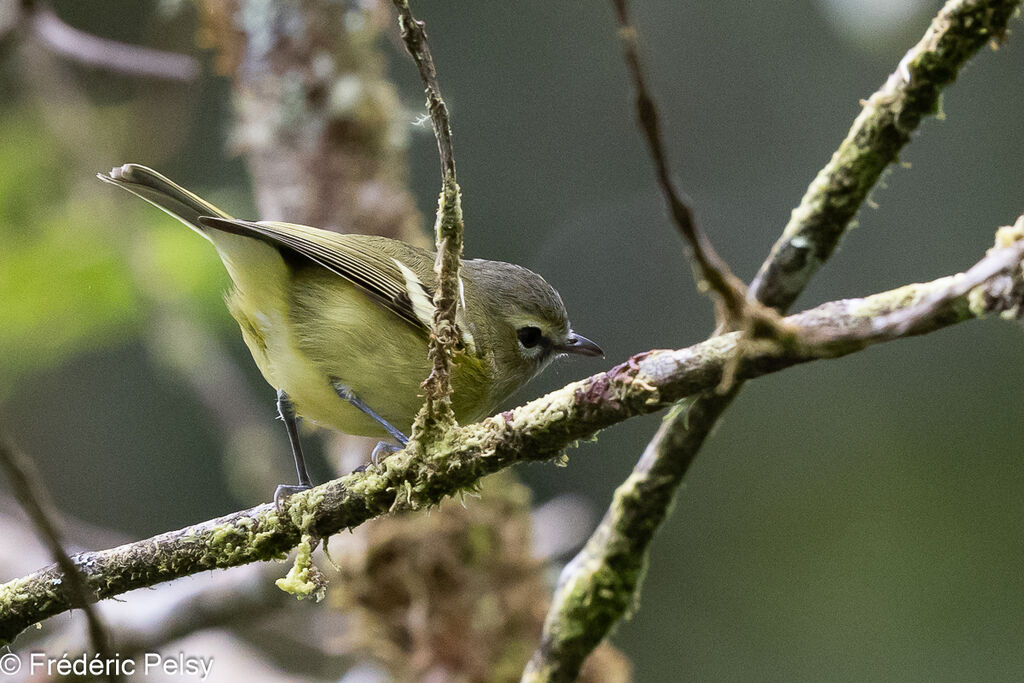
(448, 230)
(414, 36)
(34, 499)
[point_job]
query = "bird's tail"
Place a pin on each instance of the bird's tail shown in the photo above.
(166, 195)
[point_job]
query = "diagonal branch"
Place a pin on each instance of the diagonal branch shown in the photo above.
(590, 599)
(713, 272)
(884, 126)
(538, 430)
(34, 499)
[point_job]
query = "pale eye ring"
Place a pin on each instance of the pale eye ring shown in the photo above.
(529, 336)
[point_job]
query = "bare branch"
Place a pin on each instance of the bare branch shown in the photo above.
(538, 430)
(712, 269)
(90, 50)
(34, 499)
(415, 38)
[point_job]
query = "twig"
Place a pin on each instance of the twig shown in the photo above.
(448, 230)
(34, 499)
(904, 322)
(590, 600)
(90, 50)
(415, 38)
(713, 270)
(538, 430)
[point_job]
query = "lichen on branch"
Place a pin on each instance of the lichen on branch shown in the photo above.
(538, 430)
(437, 414)
(884, 126)
(590, 599)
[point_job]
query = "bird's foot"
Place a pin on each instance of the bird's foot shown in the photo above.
(382, 450)
(284, 491)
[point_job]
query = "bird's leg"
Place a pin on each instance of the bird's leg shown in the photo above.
(382, 450)
(382, 447)
(287, 412)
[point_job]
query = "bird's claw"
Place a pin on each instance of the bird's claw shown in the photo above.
(284, 491)
(382, 450)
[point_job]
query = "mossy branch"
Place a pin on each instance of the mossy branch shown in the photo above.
(444, 338)
(599, 587)
(539, 430)
(885, 124)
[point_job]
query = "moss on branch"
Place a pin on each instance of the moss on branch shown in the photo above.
(883, 127)
(437, 415)
(538, 430)
(585, 607)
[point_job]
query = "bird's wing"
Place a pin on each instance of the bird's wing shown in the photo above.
(352, 257)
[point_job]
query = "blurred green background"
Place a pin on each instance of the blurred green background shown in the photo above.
(858, 519)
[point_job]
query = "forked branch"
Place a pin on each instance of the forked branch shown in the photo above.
(599, 585)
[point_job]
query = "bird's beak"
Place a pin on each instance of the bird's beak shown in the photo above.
(581, 346)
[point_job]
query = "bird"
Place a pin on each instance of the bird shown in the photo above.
(339, 324)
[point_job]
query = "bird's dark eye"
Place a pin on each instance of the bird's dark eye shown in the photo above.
(529, 337)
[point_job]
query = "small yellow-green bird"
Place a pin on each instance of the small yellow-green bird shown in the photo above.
(338, 324)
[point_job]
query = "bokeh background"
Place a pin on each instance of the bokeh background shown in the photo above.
(859, 519)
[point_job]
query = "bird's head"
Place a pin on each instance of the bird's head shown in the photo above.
(521, 321)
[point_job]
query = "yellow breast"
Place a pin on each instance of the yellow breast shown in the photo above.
(325, 330)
